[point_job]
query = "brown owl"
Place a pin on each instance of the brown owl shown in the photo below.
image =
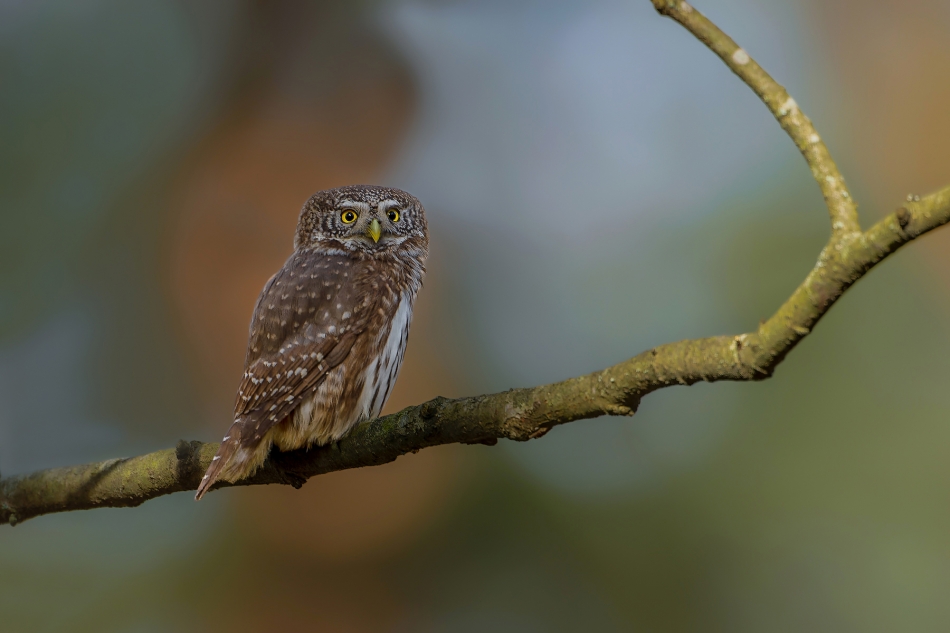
(329, 329)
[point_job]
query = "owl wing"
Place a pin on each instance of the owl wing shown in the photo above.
(305, 323)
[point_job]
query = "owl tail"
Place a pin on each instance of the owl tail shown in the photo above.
(222, 458)
(241, 453)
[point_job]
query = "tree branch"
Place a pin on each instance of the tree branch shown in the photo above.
(523, 414)
(841, 206)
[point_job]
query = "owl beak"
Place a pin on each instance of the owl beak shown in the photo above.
(374, 230)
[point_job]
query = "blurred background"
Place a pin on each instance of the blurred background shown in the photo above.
(597, 183)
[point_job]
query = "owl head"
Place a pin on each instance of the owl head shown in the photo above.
(362, 219)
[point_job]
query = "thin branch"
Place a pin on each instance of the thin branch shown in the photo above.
(841, 206)
(523, 414)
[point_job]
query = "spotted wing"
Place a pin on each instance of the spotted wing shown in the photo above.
(305, 323)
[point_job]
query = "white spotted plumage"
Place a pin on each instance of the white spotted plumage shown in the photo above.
(329, 331)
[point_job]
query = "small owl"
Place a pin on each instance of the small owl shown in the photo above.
(329, 329)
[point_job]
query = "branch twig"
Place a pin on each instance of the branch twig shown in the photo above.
(523, 414)
(841, 206)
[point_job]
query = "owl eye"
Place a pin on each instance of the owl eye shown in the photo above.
(393, 215)
(348, 217)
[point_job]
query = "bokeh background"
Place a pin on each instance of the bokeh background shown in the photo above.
(597, 183)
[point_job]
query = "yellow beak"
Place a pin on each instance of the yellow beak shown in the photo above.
(374, 230)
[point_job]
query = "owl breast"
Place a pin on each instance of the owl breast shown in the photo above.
(326, 417)
(380, 375)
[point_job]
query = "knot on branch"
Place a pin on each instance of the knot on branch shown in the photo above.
(428, 410)
(903, 217)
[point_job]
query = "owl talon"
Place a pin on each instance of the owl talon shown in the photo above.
(488, 441)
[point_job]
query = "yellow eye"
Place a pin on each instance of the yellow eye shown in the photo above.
(393, 215)
(348, 217)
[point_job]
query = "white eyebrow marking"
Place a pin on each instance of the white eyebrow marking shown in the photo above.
(353, 204)
(386, 204)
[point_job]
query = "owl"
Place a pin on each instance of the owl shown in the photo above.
(329, 330)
